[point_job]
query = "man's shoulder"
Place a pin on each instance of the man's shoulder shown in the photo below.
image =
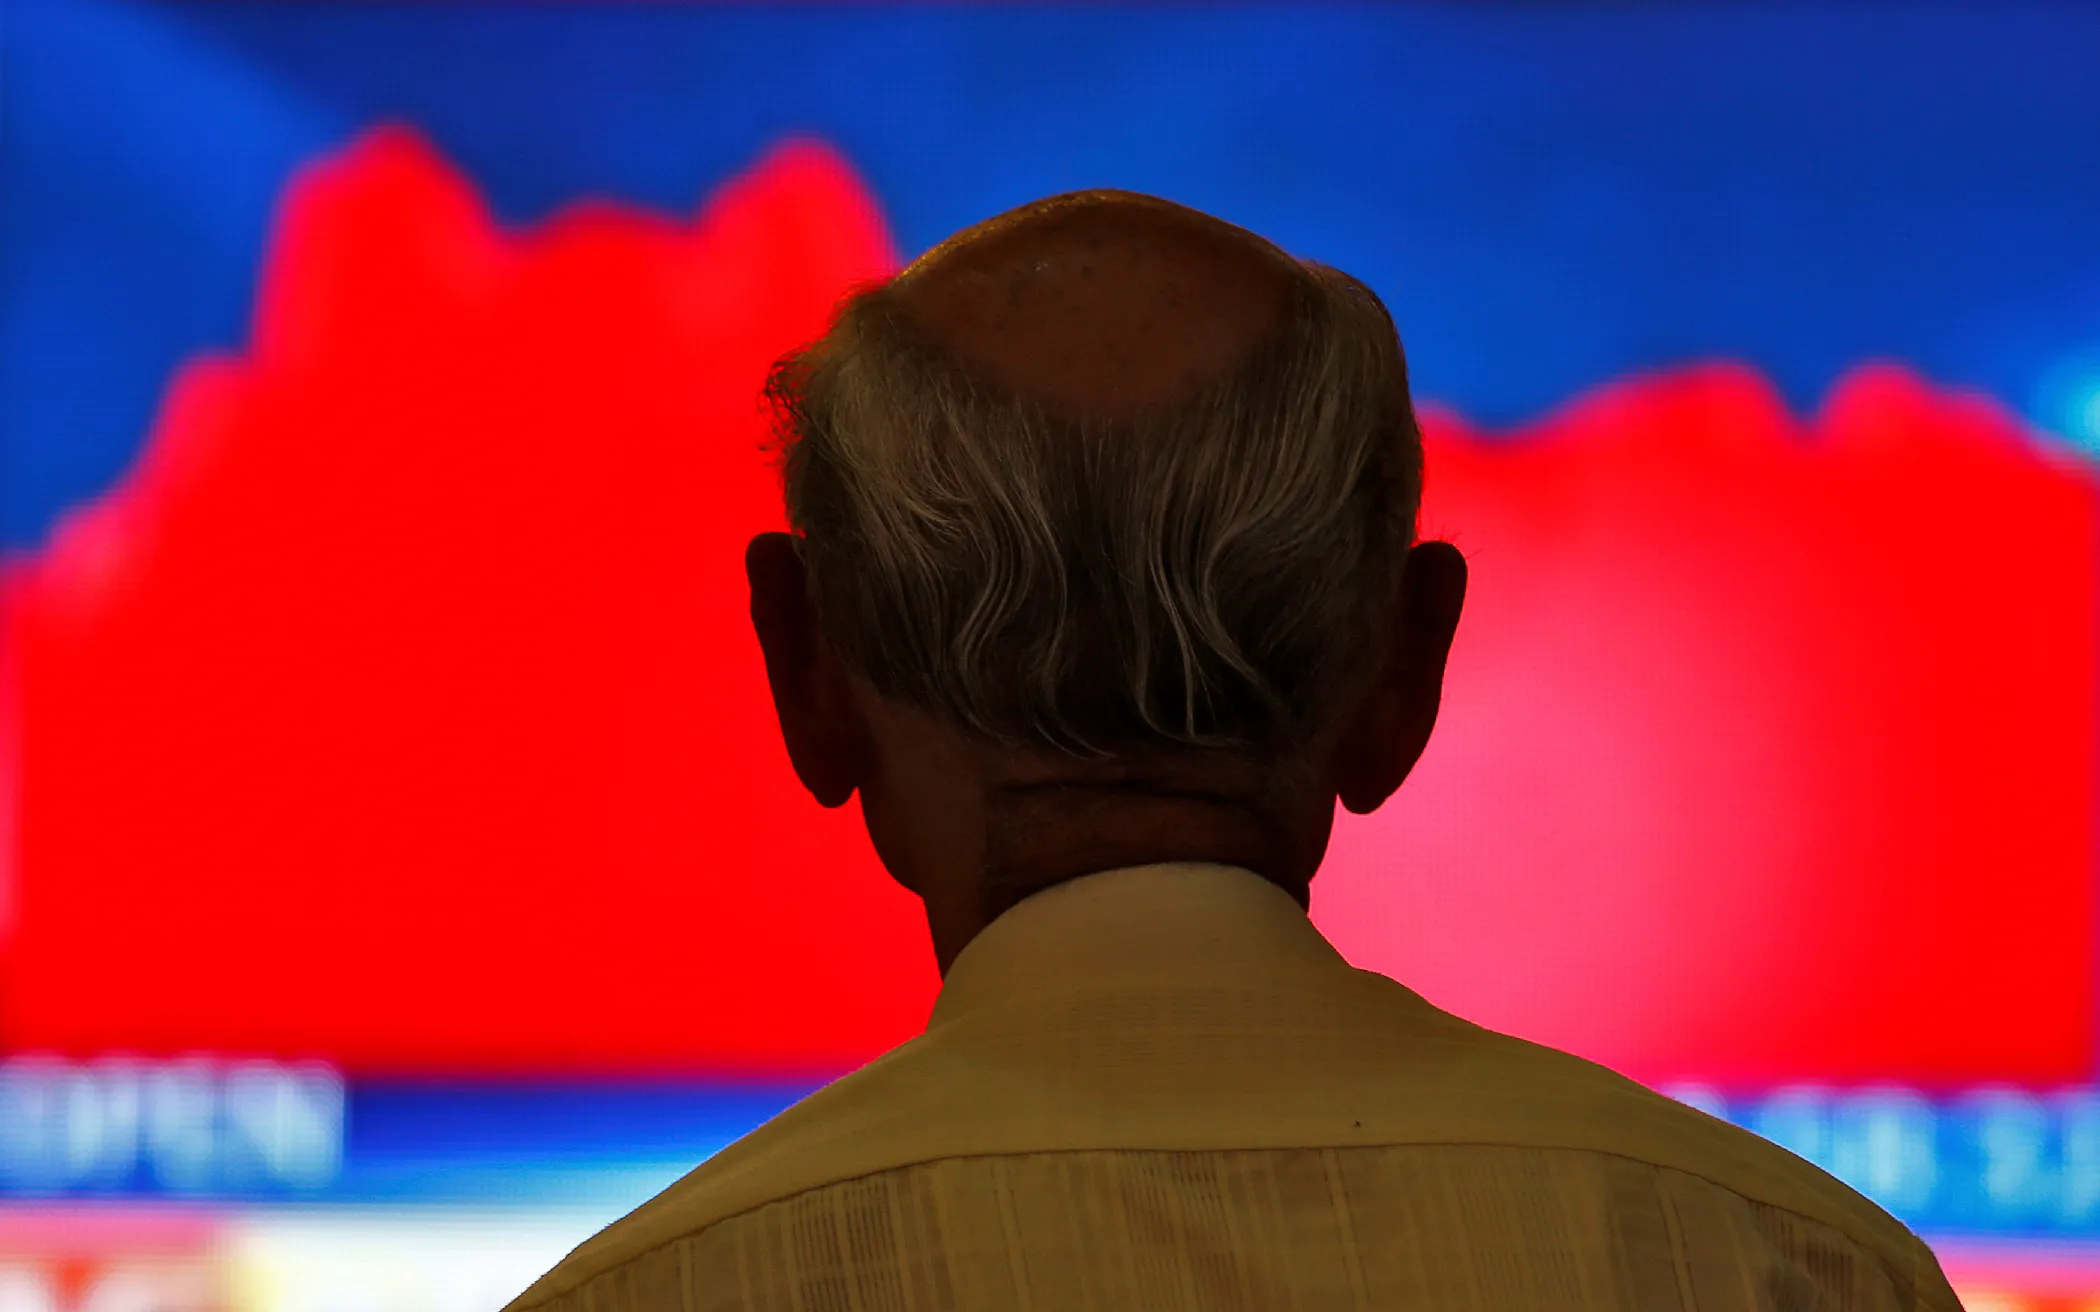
(1613, 1114)
(811, 1143)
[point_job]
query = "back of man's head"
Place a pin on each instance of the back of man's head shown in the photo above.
(1106, 476)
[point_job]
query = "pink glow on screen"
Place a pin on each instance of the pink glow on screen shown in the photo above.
(400, 707)
(1767, 747)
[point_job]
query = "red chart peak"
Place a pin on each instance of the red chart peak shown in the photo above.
(399, 706)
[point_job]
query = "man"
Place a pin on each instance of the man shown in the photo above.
(1103, 589)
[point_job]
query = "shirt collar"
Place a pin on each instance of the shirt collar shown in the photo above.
(1175, 924)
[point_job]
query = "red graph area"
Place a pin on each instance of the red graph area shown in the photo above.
(400, 706)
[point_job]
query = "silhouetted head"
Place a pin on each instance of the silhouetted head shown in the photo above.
(1103, 555)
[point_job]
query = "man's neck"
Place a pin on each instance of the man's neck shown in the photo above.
(1038, 837)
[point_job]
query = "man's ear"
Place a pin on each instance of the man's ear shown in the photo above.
(1383, 740)
(819, 721)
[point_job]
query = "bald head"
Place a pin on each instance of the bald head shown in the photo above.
(1099, 303)
(1101, 509)
(1211, 582)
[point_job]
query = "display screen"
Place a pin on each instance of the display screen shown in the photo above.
(400, 872)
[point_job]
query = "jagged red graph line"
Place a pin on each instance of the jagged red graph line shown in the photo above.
(399, 706)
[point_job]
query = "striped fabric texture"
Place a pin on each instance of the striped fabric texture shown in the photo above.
(1161, 1088)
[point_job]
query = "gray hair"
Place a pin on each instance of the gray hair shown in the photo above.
(1215, 574)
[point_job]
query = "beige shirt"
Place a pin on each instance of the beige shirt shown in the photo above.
(1161, 1088)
